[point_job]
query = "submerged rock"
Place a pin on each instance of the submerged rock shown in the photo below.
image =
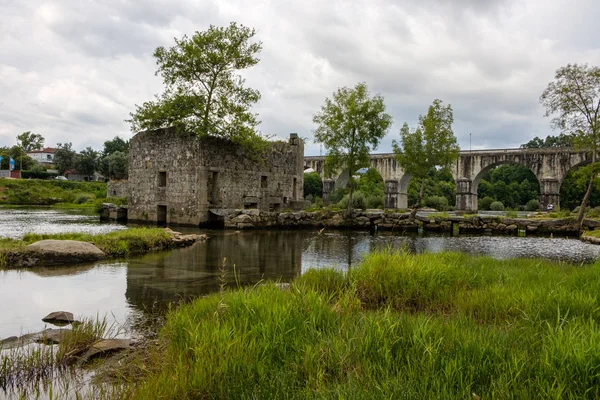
(47, 336)
(104, 347)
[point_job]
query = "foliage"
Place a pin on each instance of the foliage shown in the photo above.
(438, 202)
(512, 184)
(532, 205)
(37, 173)
(114, 145)
(86, 162)
(497, 206)
(64, 158)
(22, 160)
(359, 201)
(47, 192)
(562, 140)
(116, 165)
(30, 141)
(203, 94)
(573, 98)
(430, 145)
(350, 125)
(313, 185)
(485, 203)
(398, 326)
(439, 182)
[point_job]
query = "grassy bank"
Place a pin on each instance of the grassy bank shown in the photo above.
(398, 326)
(114, 244)
(37, 192)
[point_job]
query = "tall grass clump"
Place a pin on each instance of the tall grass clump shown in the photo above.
(398, 326)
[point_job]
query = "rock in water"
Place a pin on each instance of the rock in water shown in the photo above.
(64, 251)
(59, 318)
(105, 347)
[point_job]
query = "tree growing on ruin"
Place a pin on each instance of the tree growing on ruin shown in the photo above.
(573, 98)
(204, 94)
(350, 125)
(432, 144)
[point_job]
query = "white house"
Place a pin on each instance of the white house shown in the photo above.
(43, 156)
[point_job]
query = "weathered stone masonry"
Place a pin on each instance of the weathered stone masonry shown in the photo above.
(181, 179)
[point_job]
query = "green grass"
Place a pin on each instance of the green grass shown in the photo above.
(50, 192)
(398, 326)
(114, 244)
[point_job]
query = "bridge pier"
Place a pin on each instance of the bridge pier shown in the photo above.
(328, 186)
(392, 194)
(466, 200)
(550, 193)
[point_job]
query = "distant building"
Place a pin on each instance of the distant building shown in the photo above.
(182, 179)
(45, 156)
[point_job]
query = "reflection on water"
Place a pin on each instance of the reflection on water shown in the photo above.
(140, 288)
(18, 221)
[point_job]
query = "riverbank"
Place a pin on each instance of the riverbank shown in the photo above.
(38, 192)
(399, 221)
(22, 253)
(417, 326)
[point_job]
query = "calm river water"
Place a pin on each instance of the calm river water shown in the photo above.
(137, 289)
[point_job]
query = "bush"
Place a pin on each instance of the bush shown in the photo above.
(440, 203)
(375, 201)
(309, 198)
(532, 205)
(84, 197)
(485, 203)
(512, 214)
(358, 201)
(497, 206)
(318, 202)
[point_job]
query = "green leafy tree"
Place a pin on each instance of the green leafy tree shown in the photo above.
(350, 125)
(116, 144)
(204, 95)
(562, 140)
(86, 162)
(29, 141)
(116, 165)
(313, 185)
(431, 144)
(64, 158)
(573, 98)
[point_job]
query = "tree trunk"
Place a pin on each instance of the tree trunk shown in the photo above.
(416, 207)
(584, 202)
(351, 187)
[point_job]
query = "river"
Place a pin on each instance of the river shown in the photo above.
(130, 292)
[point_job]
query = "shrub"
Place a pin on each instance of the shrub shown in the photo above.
(309, 198)
(359, 201)
(512, 214)
(532, 205)
(440, 203)
(497, 206)
(375, 201)
(485, 203)
(83, 198)
(318, 202)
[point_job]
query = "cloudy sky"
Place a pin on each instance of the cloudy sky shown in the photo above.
(73, 70)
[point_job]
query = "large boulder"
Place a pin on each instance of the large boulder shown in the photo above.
(54, 252)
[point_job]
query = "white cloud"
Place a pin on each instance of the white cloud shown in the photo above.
(72, 71)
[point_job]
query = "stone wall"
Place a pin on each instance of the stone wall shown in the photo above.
(178, 179)
(400, 222)
(117, 189)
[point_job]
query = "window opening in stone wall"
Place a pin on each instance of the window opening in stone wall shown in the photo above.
(263, 182)
(162, 179)
(249, 206)
(275, 207)
(294, 189)
(161, 215)
(213, 188)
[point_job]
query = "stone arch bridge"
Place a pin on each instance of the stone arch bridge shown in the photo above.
(549, 165)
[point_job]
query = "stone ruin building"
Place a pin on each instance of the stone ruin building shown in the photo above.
(183, 179)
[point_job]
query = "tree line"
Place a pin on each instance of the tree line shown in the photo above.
(112, 161)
